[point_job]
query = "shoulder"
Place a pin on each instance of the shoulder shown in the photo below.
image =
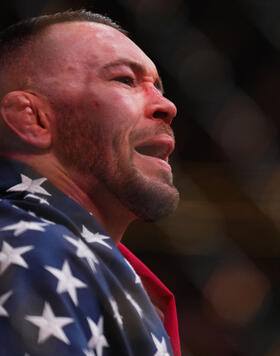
(42, 279)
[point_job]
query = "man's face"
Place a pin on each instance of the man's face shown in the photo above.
(112, 121)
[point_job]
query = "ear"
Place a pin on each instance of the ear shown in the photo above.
(25, 114)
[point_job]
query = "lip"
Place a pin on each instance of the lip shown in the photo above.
(152, 160)
(165, 143)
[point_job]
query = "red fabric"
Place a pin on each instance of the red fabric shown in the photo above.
(160, 296)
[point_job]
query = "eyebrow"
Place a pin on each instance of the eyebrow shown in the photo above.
(136, 67)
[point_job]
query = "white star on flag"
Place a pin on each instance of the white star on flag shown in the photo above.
(23, 226)
(117, 314)
(10, 255)
(50, 325)
(32, 213)
(29, 185)
(16, 207)
(89, 353)
(66, 281)
(97, 340)
(41, 200)
(98, 238)
(83, 251)
(161, 346)
(3, 299)
(136, 305)
(137, 278)
(48, 222)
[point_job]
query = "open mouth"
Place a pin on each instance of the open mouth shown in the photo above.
(158, 148)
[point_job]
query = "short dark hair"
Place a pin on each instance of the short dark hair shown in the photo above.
(17, 33)
(21, 35)
(15, 41)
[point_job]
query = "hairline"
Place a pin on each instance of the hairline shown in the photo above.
(19, 40)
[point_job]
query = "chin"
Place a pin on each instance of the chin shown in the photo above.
(149, 200)
(158, 208)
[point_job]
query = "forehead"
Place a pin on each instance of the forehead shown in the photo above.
(95, 45)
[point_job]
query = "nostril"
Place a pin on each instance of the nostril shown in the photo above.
(160, 114)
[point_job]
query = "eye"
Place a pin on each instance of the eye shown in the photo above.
(126, 80)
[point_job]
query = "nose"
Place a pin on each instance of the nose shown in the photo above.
(159, 107)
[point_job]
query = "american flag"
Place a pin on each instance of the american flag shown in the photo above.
(65, 287)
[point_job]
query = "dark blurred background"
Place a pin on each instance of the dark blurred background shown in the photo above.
(219, 252)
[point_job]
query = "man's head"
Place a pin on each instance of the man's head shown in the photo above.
(87, 94)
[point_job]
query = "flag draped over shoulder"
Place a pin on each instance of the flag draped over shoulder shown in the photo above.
(65, 288)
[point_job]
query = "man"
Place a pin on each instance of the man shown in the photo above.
(85, 141)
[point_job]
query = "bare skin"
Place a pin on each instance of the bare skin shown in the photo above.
(114, 105)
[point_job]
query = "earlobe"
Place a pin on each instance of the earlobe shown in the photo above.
(24, 114)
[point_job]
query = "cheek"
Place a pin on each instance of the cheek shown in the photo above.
(115, 114)
(95, 104)
(120, 104)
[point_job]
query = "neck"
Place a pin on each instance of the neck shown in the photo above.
(106, 209)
